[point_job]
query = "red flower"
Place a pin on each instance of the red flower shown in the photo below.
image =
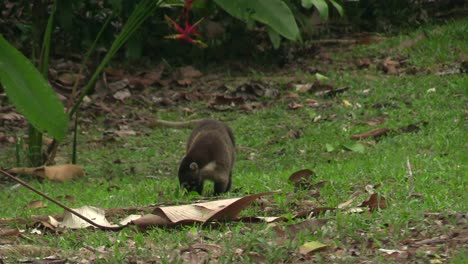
(185, 33)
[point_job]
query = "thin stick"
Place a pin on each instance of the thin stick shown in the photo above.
(410, 178)
(116, 228)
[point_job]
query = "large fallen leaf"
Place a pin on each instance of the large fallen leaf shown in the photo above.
(95, 214)
(226, 209)
(59, 173)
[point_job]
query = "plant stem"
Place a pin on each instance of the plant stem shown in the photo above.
(35, 146)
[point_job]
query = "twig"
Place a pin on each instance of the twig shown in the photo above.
(410, 178)
(60, 204)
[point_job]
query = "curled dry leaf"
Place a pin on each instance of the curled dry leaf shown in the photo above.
(38, 204)
(330, 91)
(373, 133)
(294, 106)
(147, 78)
(390, 67)
(372, 122)
(59, 173)
(363, 63)
(308, 226)
(375, 202)
(122, 95)
(302, 88)
(302, 178)
(69, 78)
(118, 85)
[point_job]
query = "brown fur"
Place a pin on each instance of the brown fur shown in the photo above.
(210, 156)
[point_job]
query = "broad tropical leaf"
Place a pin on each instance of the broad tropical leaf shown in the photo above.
(30, 92)
(321, 6)
(274, 13)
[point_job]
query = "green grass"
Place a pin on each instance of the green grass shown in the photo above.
(144, 167)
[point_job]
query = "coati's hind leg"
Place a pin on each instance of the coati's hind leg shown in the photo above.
(199, 188)
(222, 186)
(229, 183)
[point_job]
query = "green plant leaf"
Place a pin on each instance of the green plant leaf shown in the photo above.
(338, 7)
(329, 147)
(30, 92)
(274, 13)
(275, 38)
(355, 147)
(142, 11)
(311, 246)
(320, 5)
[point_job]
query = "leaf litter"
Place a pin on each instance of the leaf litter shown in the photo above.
(251, 93)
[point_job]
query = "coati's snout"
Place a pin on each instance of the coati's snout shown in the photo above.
(190, 178)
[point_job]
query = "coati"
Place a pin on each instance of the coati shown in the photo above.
(210, 155)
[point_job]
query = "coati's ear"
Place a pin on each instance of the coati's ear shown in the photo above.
(194, 166)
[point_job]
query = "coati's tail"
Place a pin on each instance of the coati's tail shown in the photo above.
(183, 124)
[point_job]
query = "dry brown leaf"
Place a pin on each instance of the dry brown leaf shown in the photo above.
(10, 232)
(187, 72)
(118, 85)
(348, 203)
(375, 202)
(314, 212)
(59, 173)
(363, 63)
(151, 220)
(11, 116)
(312, 103)
(201, 253)
(193, 95)
(226, 209)
(184, 82)
(330, 91)
(148, 78)
(390, 67)
(69, 78)
(302, 88)
(38, 204)
(95, 214)
(294, 106)
(302, 178)
(372, 122)
(122, 94)
(373, 133)
(411, 41)
(308, 226)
